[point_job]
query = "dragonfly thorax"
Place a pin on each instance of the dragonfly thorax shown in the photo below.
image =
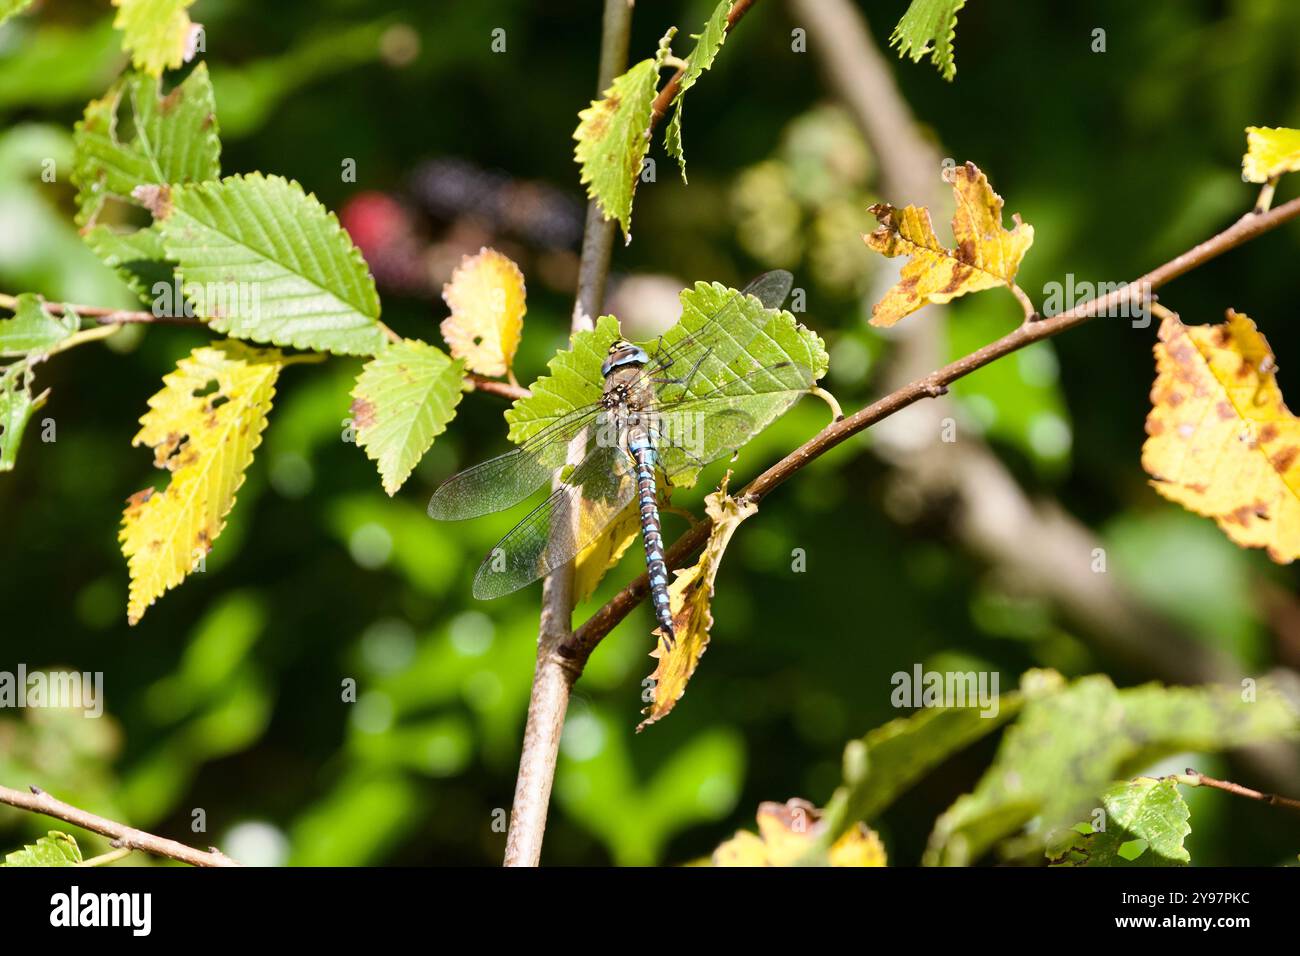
(622, 355)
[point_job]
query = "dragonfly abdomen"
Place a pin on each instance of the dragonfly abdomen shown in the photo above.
(643, 452)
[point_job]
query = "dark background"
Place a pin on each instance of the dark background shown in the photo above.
(226, 697)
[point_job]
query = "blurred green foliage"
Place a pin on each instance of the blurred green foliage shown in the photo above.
(230, 698)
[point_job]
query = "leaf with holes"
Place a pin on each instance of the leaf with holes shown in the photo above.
(203, 426)
(707, 44)
(262, 260)
(487, 299)
(17, 406)
(173, 140)
(929, 26)
(1145, 824)
(33, 328)
(691, 594)
(403, 399)
(1220, 440)
(138, 258)
(1270, 152)
(986, 254)
(158, 33)
(612, 138)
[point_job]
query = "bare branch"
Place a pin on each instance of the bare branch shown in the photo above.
(1243, 230)
(1193, 779)
(122, 836)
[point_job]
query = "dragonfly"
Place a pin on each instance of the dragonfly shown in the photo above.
(665, 410)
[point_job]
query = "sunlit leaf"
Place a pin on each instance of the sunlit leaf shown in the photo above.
(403, 399)
(158, 33)
(203, 427)
(1221, 441)
(54, 849)
(613, 139)
(487, 300)
(986, 255)
(1270, 152)
(929, 26)
(10, 7)
(1145, 824)
(262, 260)
(33, 328)
(593, 561)
(707, 44)
(575, 381)
(1066, 748)
(691, 593)
(790, 833)
(173, 140)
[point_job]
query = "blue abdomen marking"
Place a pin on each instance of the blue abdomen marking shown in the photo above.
(643, 451)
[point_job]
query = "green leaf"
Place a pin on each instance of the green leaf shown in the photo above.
(929, 26)
(1064, 750)
(17, 405)
(707, 44)
(773, 336)
(137, 256)
(1145, 825)
(174, 140)
(902, 751)
(403, 399)
(262, 260)
(155, 32)
(34, 328)
(54, 849)
(612, 138)
(10, 7)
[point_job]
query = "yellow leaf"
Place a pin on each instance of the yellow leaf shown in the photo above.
(690, 594)
(203, 427)
(486, 298)
(1270, 152)
(158, 33)
(986, 254)
(606, 551)
(788, 836)
(1221, 441)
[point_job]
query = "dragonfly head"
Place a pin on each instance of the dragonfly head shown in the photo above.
(624, 353)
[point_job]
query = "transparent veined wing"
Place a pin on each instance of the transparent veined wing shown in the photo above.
(721, 338)
(502, 482)
(704, 427)
(555, 531)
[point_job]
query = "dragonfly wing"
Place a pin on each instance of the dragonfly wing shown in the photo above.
(704, 428)
(724, 335)
(508, 479)
(559, 528)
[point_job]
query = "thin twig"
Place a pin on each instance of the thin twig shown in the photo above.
(512, 391)
(1243, 230)
(121, 835)
(554, 673)
(105, 315)
(1194, 779)
(552, 678)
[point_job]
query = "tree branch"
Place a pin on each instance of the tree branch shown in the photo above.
(104, 315)
(552, 677)
(1193, 779)
(122, 836)
(1243, 230)
(555, 671)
